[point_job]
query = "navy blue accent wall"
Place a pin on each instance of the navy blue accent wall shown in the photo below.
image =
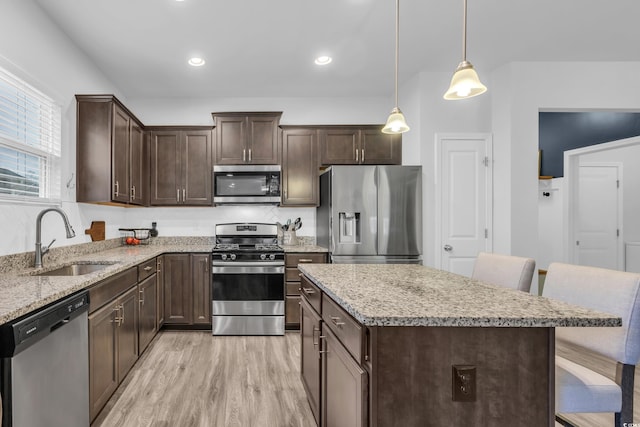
(559, 132)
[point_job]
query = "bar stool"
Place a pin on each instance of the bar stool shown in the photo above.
(504, 270)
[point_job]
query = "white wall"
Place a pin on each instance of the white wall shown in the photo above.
(34, 49)
(520, 91)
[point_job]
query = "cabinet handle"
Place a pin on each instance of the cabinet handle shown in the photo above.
(285, 193)
(117, 318)
(249, 155)
(117, 189)
(305, 260)
(178, 194)
(308, 291)
(141, 297)
(335, 321)
(122, 317)
(357, 155)
(244, 155)
(362, 155)
(148, 268)
(184, 195)
(313, 336)
(133, 192)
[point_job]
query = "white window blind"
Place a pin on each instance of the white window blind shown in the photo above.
(29, 142)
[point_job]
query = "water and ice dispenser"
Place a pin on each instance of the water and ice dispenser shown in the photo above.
(350, 227)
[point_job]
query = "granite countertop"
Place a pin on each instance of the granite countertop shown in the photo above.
(303, 248)
(21, 292)
(414, 295)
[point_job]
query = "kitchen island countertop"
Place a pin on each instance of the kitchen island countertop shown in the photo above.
(414, 295)
(21, 292)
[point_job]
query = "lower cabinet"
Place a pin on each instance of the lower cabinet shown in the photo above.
(331, 361)
(113, 347)
(187, 289)
(148, 295)
(344, 386)
(310, 363)
(292, 282)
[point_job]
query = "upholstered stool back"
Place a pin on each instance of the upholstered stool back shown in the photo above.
(504, 270)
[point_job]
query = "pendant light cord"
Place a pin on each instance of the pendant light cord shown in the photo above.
(397, 45)
(464, 33)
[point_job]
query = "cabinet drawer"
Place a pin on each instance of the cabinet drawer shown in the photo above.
(291, 274)
(311, 293)
(146, 269)
(293, 288)
(292, 260)
(348, 330)
(108, 289)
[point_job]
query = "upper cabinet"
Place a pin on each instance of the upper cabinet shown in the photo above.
(111, 152)
(181, 166)
(359, 145)
(299, 166)
(247, 138)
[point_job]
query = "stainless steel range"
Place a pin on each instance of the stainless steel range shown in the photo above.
(248, 280)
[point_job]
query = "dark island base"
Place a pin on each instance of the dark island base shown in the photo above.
(410, 375)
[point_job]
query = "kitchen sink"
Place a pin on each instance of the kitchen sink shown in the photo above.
(76, 269)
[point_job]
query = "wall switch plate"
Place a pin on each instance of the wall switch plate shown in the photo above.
(463, 383)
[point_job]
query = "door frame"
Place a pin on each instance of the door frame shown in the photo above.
(440, 139)
(570, 189)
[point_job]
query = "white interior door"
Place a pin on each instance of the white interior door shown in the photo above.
(598, 216)
(463, 187)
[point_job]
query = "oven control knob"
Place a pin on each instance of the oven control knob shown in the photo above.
(263, 256)
(272, 257)
(224, 257)
(233, 257)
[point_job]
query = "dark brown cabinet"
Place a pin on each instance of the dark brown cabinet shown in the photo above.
(113, 346)
(344, 386)
(358, 145)
(299, 167)
(292, 282)
(181, 166)
(187, 294)
(201, 288)
(160, 293)
(311, 360)
(111, 152)
(147, 294)
(247, 138)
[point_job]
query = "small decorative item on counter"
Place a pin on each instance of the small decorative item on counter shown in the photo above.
(135, 236)
(154, 231)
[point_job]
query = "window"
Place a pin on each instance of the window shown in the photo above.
(29, 142)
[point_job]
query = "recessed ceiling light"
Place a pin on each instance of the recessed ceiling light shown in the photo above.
(323, 60)
(196, 62)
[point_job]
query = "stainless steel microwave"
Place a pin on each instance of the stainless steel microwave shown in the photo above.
(246, 184)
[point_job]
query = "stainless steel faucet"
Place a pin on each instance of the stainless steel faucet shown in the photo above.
(40, 249)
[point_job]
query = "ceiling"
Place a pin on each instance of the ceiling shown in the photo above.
(265, 48)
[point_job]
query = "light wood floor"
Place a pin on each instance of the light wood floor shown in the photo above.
(191, 379)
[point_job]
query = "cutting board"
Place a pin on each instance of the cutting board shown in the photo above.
(96, 231)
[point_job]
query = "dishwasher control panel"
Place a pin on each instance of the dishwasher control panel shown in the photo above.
(19, 334)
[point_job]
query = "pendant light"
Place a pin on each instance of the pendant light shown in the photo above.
(396, 122)
(465, 82)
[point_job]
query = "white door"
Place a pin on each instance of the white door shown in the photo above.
(463, 191)
(598, 217)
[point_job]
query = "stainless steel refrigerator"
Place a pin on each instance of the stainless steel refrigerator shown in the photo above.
(371, 214)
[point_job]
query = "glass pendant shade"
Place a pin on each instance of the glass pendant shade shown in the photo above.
(465, 83)
(396, 123)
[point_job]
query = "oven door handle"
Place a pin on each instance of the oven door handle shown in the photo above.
(247, 269)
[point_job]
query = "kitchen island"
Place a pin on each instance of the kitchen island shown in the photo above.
(407, 345)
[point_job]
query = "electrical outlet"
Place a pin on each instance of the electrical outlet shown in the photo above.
(463, 383)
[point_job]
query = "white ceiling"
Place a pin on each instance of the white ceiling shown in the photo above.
(266, 47)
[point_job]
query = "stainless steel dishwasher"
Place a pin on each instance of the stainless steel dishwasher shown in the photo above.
(45, 366)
